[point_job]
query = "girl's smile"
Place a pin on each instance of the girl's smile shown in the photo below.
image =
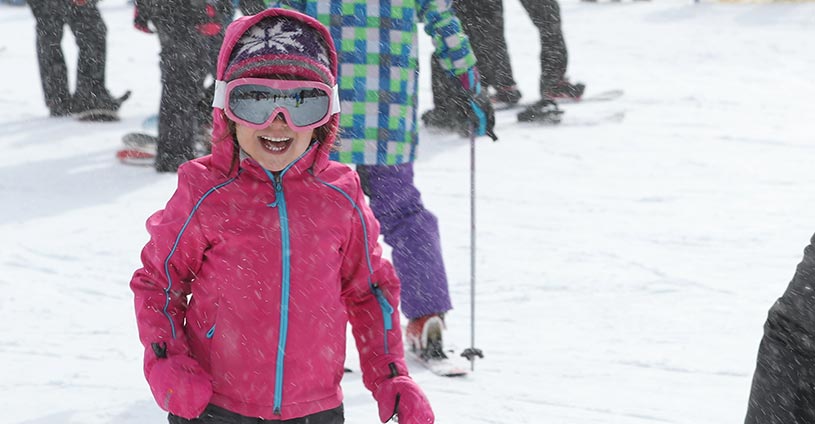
(275, 146)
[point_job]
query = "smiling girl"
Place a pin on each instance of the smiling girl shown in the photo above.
(267, 250)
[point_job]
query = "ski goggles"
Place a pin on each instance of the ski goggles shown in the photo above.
(256, 102)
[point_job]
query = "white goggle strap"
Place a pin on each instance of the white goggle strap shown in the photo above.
(219, 100)
(335, 102)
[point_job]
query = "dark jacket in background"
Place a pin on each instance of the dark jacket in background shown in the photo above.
(783, 390)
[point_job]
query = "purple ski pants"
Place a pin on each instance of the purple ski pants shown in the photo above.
(413, 234)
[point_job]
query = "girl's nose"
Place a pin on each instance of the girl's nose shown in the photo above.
(279, 119)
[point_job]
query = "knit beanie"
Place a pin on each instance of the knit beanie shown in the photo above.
(285, 43)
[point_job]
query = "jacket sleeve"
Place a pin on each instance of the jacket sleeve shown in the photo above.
(452, 45)
(170, 260)
(371, 294)
(783, 390)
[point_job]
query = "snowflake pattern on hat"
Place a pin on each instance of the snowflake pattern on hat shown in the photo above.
(271, 37)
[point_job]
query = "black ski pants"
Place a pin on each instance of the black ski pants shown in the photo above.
(554, 58)
(217, 415)
(90, 32)
(184, 64)
(483, 22)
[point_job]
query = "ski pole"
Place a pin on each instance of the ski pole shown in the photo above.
(471, 352)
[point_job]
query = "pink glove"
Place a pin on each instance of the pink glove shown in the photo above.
(180, 386)
(401, 396)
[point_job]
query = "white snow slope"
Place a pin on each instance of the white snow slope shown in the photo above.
(624, 269)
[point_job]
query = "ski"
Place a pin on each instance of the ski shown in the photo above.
(603, 96)
(572, 119)
(443, 367)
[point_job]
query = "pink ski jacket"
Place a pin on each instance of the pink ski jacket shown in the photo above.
(276, 266)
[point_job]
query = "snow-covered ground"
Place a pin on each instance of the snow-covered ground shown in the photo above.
(624, 269)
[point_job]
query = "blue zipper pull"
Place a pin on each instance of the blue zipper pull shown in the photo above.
(277, 183)
(387, 309)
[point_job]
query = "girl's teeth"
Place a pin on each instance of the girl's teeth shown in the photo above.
(274, 146)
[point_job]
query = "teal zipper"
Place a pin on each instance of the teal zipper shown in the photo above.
(280, 204)
(280, 201)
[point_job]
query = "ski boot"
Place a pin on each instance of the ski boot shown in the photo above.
(544, 111)
(424, 337)
(565, 91)
(506, 96)
(445, 120)
(97, 107)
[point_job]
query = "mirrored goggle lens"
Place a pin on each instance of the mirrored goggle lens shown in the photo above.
(255, 103)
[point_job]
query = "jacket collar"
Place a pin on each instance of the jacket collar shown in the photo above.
(310, 159)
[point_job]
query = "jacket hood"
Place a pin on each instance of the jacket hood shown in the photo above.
(223, 147)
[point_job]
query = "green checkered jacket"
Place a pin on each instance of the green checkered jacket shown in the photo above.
(377, 45)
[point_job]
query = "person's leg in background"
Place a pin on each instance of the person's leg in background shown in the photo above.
(183, 66)
(413, 233)
(449, 102)
(50, 17)
(225, 12)
(483, 22)
(90, 33)
(554, 57)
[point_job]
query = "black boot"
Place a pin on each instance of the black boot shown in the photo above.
(508, 96)
(564, 90)
(543, 111)
(446, 120)
(97, 107)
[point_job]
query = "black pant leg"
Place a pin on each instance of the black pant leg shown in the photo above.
(439, 85)
(50, 17)
(483, 22)
(225, 12)
(90, 32)
(252, 7)
(217, 415)
(183, 66)
(545, 15)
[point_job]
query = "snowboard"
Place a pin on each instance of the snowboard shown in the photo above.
(443, 367)
(140, 146)
(149, 127)
(573, 118)
(562, 113)
(136, 157)
(602, 96)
